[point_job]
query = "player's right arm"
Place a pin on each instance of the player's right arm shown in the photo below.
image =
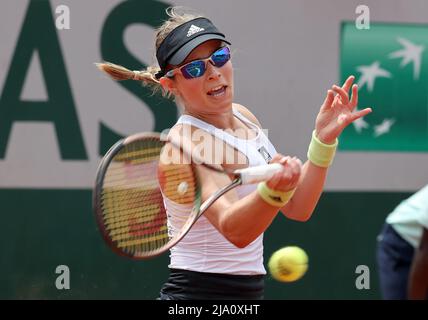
(241, 221)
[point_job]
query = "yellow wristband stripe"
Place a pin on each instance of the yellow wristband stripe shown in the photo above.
(321, 154)
(274, 197)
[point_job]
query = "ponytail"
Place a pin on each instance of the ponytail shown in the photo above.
(120, 73)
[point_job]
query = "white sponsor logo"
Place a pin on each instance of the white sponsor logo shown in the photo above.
(194, 29)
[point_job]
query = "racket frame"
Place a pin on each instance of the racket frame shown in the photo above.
(197, 211)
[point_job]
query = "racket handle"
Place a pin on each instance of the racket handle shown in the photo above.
(258, 173)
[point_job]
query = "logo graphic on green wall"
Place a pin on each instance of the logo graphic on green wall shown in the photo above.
(390, 62)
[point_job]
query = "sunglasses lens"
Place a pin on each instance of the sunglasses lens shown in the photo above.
(221, 56)
(197, 68)
(193, 69)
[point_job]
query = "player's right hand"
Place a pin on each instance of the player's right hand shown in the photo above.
(288, 178)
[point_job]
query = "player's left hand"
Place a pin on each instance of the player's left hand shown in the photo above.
(337, 112)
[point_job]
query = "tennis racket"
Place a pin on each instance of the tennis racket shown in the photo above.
(144, 207)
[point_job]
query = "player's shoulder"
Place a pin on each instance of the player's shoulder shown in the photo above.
(247, 113)
(188, 135)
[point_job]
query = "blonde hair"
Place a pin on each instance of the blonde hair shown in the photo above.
(177, 16)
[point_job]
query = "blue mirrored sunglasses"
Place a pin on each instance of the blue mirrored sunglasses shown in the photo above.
(197, 68)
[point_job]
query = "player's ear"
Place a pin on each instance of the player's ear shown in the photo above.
(168, 85)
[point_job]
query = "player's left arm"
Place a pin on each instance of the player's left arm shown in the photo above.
(310, 185)
(418, 277)
(336, 113)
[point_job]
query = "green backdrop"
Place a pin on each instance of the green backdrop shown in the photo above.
(46, 228)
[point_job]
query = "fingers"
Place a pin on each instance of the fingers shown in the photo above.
(345, 119)
(288, 178)
(291, 175)
(347, 85)
(342, 94)
(279, 158)
(354, 99)
(343, 91)
(296, 169)
(284, 160)
(328, 100)
(356, 115)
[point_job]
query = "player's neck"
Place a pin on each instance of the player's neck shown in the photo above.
(220, 119)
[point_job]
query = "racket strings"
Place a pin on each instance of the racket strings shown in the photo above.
(133, 193)
(134, 215)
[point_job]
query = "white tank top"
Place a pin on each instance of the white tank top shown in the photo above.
(204, 248)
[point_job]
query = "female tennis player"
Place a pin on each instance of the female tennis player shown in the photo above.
(222, 255)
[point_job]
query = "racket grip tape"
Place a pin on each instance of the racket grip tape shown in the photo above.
(258, 173)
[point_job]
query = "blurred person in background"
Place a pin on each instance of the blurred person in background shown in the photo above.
(402, 252)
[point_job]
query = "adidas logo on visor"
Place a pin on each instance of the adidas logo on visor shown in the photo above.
(194, 29)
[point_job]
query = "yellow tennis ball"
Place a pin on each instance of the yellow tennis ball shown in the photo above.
(288, 264)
